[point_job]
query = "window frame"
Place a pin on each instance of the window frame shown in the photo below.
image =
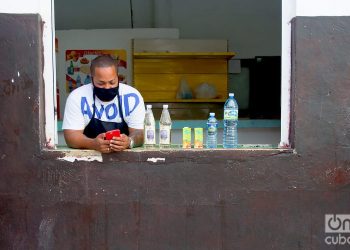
(49, 72)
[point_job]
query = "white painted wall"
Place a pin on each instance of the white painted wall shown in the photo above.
(45, 9)
(21, 6)
(322, 7)
(288, 13)
(252, 27)
(101, 39)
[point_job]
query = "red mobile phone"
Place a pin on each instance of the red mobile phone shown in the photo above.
(112, 133)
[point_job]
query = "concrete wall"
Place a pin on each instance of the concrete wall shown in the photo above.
(255, 199)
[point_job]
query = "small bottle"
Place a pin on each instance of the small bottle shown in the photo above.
(70, 68)
(70, 85)
(165, 128)
(87, 79)
(212, 131)
(230, 137)
(78, 81)
(149, 129)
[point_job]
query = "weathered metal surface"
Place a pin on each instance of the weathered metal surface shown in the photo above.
(263, 199)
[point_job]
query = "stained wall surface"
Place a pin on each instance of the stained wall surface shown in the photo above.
(258, 199)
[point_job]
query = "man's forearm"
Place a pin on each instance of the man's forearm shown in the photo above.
(137, 136)
(75, 140)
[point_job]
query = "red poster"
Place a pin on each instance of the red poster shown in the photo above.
(78, 66)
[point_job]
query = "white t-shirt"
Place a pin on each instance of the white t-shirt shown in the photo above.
(79, 108)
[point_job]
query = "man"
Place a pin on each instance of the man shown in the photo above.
(104, 105)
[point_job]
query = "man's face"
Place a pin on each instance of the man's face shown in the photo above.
(105, 77)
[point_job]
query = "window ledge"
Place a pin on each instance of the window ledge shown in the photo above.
(71, 155)
(171, 155)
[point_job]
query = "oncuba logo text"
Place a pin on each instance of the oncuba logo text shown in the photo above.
(337, 225)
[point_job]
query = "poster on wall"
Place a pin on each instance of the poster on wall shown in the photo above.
(78, 66)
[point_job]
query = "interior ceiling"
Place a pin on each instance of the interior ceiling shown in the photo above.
(103, 14)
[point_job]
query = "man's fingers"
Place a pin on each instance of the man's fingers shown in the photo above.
(107, 149)
(119, 144)
(101, 136)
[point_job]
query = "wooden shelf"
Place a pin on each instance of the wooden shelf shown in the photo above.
(158, 74)
(193, 55)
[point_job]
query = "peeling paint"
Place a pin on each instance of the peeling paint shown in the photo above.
(49, 144)
(81, 155)
(81, 158)
(284, 145)
(155, 159)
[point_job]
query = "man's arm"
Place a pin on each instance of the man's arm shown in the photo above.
(137, 136)
(76, 139)
(123, 142)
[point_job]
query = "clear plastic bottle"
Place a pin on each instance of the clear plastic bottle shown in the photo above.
(70, 68)
(230, 137)
(87, 79)
(212, 131)
(165, 128)
(149, 128)
(78, 81)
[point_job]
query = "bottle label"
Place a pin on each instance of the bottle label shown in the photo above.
(212, 129)
(150, 135)
(164, 135)
(231, 115)
(186, 137)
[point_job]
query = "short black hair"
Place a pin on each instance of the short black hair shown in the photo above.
(103, 61)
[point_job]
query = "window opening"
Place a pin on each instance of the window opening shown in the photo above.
(254, 77)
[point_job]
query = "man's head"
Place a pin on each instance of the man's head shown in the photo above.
(104, 71)
(104, 74)
(103, 61)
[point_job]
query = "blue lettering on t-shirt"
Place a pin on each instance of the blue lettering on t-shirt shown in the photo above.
(85, 108)
(99, 112)
(115, 111)
(111, 110)
(126, 103)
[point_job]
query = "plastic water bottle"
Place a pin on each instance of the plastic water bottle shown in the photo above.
(212, 131)
(230, 137)
(87, 79)
(149, 128)
(165, 128)
(78, 81)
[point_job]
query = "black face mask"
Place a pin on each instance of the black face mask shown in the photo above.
(106, 95)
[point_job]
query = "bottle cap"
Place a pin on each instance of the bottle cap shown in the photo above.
(212, 114)
(165, 106)
(231, 94)
(149, 106)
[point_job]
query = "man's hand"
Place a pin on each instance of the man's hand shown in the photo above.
(119, 143)
(101, 144)
(76, 139)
